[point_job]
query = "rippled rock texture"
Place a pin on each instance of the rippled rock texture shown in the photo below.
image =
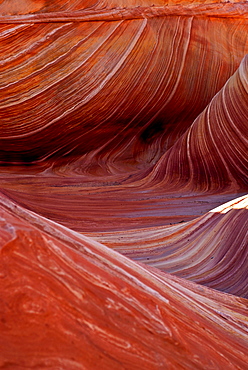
(123, 173)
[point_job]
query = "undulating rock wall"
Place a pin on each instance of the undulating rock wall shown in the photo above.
(123, 180)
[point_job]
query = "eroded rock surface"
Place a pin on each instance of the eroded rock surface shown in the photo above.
(123, 173)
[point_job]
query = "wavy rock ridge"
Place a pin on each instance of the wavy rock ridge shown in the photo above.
(149, 69)
(80, 303)
(203, 250)
(205, 162)
(123, 173)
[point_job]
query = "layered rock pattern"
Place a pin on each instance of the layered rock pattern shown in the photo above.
(55, 76)
(123, 214)
(203, 250)
(78, 304)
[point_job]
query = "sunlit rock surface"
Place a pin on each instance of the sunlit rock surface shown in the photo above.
(210, 250)
(78, 304)
(123, 179)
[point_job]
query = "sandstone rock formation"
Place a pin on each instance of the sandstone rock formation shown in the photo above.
(123, 173)
(69, 302)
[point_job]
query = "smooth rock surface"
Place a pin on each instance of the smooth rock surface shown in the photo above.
(123, 181)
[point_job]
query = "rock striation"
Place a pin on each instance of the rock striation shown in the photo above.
(77, 304)
(123, 181)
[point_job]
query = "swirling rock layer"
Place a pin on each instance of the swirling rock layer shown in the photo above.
(210, 250)
(76, 302)
(135, 84)
(123, 214)
(214, 149)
